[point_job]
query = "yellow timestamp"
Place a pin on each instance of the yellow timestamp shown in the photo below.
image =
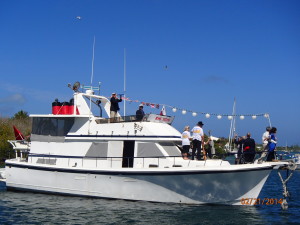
(261, 201)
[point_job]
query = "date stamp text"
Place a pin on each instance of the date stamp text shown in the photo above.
(261, 201)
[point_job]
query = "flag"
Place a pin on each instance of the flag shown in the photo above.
(18, 134)
(163, 111)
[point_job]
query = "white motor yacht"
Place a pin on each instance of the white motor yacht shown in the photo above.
(74, 152)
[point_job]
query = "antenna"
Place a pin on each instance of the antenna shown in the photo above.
(93, 58)
(93, 61)
(124, 81)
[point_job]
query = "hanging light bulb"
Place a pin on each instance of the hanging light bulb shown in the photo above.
(219, 117)
(242, 117)
(254, 117)
(183, 112)
(207, 115)
(194, 114)
(230, 117)
(174, 109)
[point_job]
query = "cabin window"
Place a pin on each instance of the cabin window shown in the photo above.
(148, 150)
(51, 126)
(98, 149)
(170, 148)
(46, 161)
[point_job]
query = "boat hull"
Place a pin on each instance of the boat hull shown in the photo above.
(199, 186)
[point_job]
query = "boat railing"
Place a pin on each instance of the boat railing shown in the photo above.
(122, 119)
(134, 118)
(112, 162)
(19, 144)
(21, 149)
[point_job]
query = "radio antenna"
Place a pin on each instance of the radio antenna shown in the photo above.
(124, 82)
(92, 75)
(93, 58)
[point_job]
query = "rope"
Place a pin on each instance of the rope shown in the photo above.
(290, 167)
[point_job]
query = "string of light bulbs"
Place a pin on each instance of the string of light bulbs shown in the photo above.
(195, 113)
(218, 115)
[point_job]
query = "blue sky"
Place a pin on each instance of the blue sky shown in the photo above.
(214, 51)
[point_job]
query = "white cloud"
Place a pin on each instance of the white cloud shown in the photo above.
(33, 94)
(15, 98)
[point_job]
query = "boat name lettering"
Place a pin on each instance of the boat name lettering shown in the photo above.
(162, 119)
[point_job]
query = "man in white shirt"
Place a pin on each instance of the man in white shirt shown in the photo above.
(265, 139)
(198, 141)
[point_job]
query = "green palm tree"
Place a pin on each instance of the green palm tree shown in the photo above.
(21, 115)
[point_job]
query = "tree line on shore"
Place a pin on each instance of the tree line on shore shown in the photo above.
(22, 121)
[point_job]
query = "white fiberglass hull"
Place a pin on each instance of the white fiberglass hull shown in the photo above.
(198, 186)
(2, 178)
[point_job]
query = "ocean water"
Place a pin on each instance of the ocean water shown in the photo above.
(31, 208)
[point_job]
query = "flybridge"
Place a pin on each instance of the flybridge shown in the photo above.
(79, 106)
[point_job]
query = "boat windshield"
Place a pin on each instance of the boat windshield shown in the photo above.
(53, 126)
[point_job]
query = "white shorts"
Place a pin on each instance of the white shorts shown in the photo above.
(113, 114)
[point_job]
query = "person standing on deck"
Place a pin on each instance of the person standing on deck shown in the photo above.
(186, 137)
(140, 112)
(210, 149)
(249, 149)
(239, 141)
(198, 141)
(265, 141)
(212, 145)
(114, 107)
(265, 138)
(272, 144)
